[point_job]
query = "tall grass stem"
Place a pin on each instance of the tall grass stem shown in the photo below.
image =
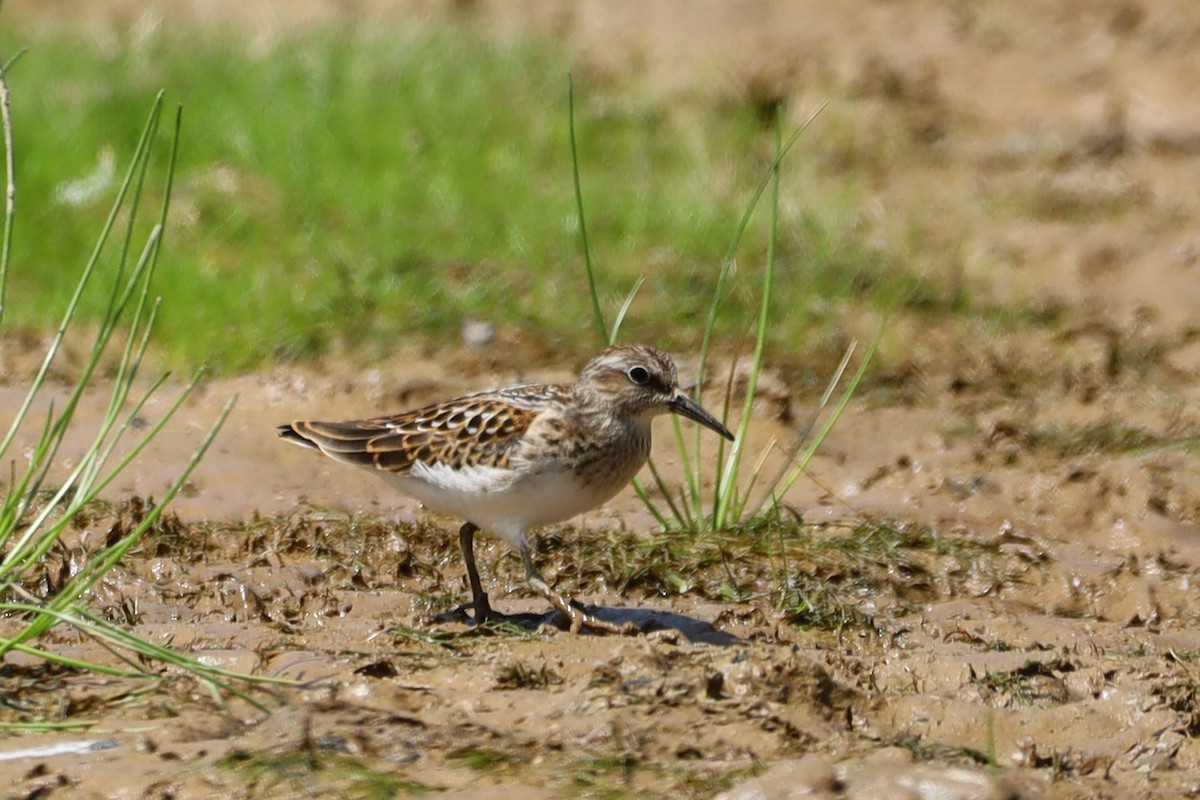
(597, 313)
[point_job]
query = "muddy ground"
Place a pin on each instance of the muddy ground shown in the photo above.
(999, 544)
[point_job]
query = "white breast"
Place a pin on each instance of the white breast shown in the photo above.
(502, 501)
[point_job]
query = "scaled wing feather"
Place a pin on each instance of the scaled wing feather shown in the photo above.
(478, 429)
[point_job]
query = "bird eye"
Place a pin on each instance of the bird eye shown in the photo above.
(639, 375)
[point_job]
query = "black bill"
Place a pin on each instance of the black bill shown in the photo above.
(685, 406)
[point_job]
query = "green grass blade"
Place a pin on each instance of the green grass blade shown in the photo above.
(738, 511)
(728, 481)
(23, 491)
(118, 299)
(789, 459)
(119, 642)
(10, 182)
(779, 490)
(90, 484)
(726, 407)
(50, 656)
(728, 262)
(39, 727)
(143, 320)
(665, 492)
(127, 369)
(643, 495)
(124, 639)
(597, 313)
(83, 480)
(620, 318)
(691, 469)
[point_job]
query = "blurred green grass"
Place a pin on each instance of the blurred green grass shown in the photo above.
(350, 187)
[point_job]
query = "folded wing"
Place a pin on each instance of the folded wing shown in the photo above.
(477, 430)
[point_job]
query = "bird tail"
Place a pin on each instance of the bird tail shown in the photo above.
(354, 442)
(289, 433)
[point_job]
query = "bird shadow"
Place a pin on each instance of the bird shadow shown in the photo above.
(639, 620)
(648, 620)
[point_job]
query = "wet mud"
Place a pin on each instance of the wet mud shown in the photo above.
(983, 587)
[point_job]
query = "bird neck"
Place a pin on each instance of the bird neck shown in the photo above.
(597, 413)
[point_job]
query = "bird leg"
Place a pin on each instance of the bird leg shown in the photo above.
(483, 611)
(479, 605)
(479, 598)
(578, 617)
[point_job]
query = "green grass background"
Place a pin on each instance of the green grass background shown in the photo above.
(353, 187)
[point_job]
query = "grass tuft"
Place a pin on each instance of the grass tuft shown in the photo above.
(732, 501)
(33, 516)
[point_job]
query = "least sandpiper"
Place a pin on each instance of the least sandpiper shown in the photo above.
(508, 460)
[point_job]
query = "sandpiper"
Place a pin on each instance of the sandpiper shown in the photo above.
(508, 460)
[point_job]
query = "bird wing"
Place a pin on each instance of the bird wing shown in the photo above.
(480, 429)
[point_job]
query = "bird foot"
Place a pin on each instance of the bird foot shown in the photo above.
(483, 612)
(577, 618)
(457, 614)
(581, 620)
(471, 614)
(576, 614)
(605, 628)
